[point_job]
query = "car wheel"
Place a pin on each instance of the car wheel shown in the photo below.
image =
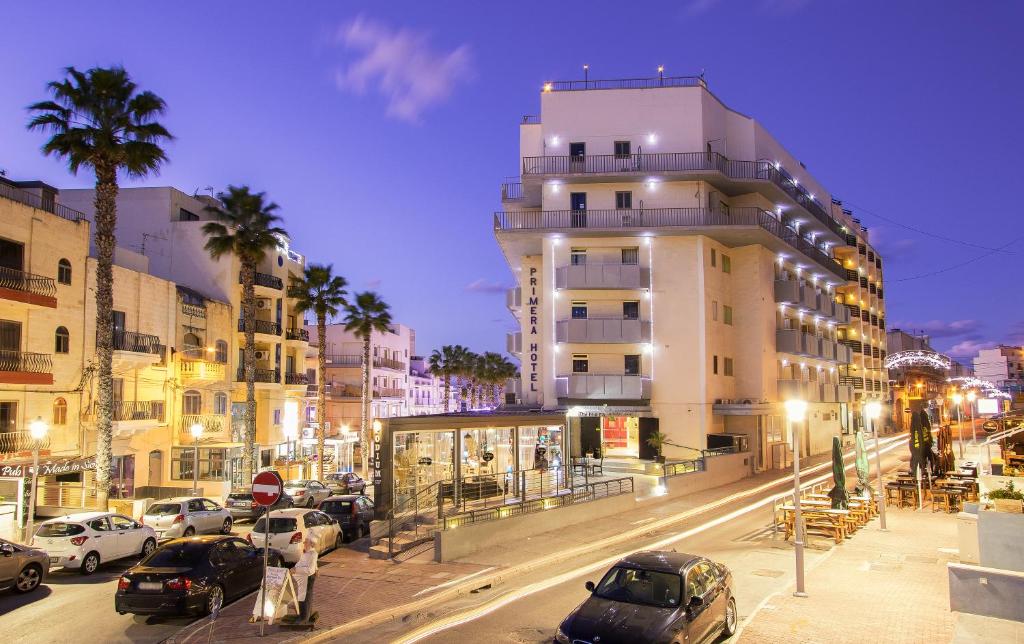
(148, 547)
(29, 579)
(359, 531)
(189, 532)
(214, 599)
(730, 618)
(90, 563)
(309, 503)
(340, 540)
(226, 528)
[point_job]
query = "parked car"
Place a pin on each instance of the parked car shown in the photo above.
(242, 506)
(192, 576)
(655, 596)
(353, 513)
(345, 483)
(22, 568)
(306, 492)
(288, 529)
(185, 516)
(83, 541)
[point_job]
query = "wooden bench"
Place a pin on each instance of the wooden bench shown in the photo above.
(817, 520)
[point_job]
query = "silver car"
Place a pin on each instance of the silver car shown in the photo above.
(306, 493)
(22, 568)
(185, 516)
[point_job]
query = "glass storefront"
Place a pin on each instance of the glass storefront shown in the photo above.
(487, 451)
(421, 459)
(215, 463)
(540, 447)
(620, 436)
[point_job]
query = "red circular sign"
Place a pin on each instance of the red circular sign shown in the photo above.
(266, 488)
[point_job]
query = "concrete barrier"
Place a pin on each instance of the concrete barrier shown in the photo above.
(468, 539)
(986, 591)
(718, 471)
(999, 540)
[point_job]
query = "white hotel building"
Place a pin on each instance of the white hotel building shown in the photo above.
(676, 272)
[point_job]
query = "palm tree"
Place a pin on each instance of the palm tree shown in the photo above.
(246, 229)
(465, 365)
(443, 364)
(99, 120)
(367, 314)
(494, 374)
(323, 294)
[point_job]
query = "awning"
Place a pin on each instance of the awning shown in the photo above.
(49, 468)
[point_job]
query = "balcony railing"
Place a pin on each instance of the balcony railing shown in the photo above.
(13, 442)
(24, 362)
(645, 218)
(602, 330)
(514, 298)
(261, 326)
(603, 276)
(295, 378)
(388, 392)
(136, 342)
(27, 282)
(624, 83)
(344, 360)
(590, 386)
(211, 424)
(265, 279)
(262, 375)
(684, 162)
(512, 191)
(125, 410)
(297, 334)
(389, 363)
(36, 201)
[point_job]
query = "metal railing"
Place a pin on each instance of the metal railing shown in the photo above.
(676, 468)
(29, 199)
(388, 363)
(265, 279)
(665, 218)
(531, 119)
(511, 191)
(295, 378)
(297, 334)
(262, 375)
(16, 280)
(123, 410)
(11, 442)
(261, 326)
(387, 392)
(193, 310)
(344, 360)
(136, 342)
(624, 83)
(24, 362)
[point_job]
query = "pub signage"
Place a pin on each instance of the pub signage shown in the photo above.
(71, 466)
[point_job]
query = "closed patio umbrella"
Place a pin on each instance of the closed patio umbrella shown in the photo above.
(863, 485)
(838, 494)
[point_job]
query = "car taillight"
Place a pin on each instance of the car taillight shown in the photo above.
(124, 583)
(77, 541)
(179, 519)
(248, 538)
(299, 492)
(296, 538)
(179, 583)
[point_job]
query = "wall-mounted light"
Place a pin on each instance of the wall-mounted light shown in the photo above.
(547, 87)
(555, 141)
(652, 138)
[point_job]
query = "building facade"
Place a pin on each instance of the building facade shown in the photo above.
(1003, 366)
(677, 272)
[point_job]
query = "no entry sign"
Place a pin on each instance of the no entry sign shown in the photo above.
(266, 488)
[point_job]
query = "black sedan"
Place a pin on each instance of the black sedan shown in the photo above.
(192, 576)
(352, 512)
(655, 597)
(345, 483)
(242, 506)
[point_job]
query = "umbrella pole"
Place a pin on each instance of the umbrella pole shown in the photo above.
(881, 488)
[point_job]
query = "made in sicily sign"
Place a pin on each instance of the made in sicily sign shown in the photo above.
(49, 469)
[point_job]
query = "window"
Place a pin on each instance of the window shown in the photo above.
(631, 310)
(60, 412)
(728, 366)
(726, 263)
(714, 310)
(579, 310)
(578, 201)
(62, 340)
(631, 365)
(577, 149)
(622, 149)
(644, 587)
(623, 199)
(64, 271)
(99, 525)
(580, 363)
(213, 466)
(210, 506)
(714, 365)
(185, 215)
(714, 258)
(192, 402)
(8, 416)
(727, 314)
(699, 580)
(222, 352)
(220, 403)
(277, 416)
(122, 523)
(578, 256)
(631, 256)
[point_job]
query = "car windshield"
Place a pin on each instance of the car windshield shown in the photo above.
(176, 556)
(59, 530)
(277, 525)
(336, 507)
(295, 483)
(163, 509)
(646, 587)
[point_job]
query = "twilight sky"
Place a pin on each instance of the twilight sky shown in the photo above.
(384, 129)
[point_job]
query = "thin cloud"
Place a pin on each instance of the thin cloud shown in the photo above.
(373, 283)
(969, 348)
(698, 7)
(484, 286)
(401, 65)
(942, 328)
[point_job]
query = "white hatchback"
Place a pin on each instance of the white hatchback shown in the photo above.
(185, 516)
(288, 529)
(85, 540)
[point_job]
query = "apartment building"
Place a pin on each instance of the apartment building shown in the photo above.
(677, 271)
(1003, 366)
(426, 391)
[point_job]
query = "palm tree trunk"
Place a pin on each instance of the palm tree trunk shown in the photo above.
(106, 221)
(321, 403)
(250, 455)
(364, 420)
(447, 392)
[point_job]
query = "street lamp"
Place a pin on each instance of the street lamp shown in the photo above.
(971, 396)
(197, 431)
(957, 399)
(37, 429)
(873, 409)
(796, 410)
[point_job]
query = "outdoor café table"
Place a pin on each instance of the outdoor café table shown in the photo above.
(818, 520)
(947, 497)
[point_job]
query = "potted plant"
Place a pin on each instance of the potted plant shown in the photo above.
(1007, 499)
(657, 441)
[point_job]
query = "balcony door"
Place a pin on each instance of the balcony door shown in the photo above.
(8, 416)
(117, 328)
(12, 255)
(578, 204)
(10, 336)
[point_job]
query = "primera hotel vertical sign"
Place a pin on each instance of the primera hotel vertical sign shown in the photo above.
(532, 327)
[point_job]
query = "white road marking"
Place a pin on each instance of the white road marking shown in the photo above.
(454, 581)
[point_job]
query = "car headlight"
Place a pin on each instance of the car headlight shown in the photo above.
(560, 636)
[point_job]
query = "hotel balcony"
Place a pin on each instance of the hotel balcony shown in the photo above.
(603, 276)
(296, 335)
(796, 342)
(590, 386)
(389, 363)
(514, 298)
(296, 378)
(136, 350)
(809, 391)
(264, 376)
(344, 360)
(129, 416)
(18, 442)
(24, 368)
(35, 291)
(216, 429)
(514, 343)
(388, 392)
(512, 191)
(736, 227)
(261, 327)
(196, 364)
(265, 280)
(603, 331)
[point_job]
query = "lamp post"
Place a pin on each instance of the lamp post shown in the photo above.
(37, 428)
(197, 432)
(873, 409)
(957, 399)
(796, 409)
(291, 431)
(971, 397)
